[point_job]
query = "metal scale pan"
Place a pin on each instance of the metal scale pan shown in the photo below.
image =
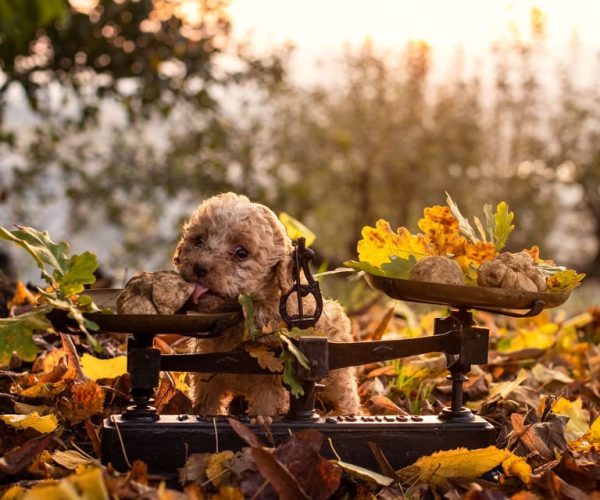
(193, 325)
(495, 300)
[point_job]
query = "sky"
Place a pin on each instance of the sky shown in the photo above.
(320, 28)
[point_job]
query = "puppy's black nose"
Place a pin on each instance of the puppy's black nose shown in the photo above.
(200, 271)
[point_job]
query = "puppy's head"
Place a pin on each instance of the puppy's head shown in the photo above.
(231, 246)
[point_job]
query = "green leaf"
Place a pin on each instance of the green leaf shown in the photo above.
(80, 272)
(44, 251)
(247, 302)
(564, 280)
(399, 268)
(289, 374)
(296, 333)
(364, 267)
(16, 335)
(502, 225)
(463, 223)
(396, 268)
(294, 351)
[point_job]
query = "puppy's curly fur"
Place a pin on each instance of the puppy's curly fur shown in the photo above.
(232, 246)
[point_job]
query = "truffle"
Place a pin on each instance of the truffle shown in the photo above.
(512, 270)
(160, 292)
(438, 269)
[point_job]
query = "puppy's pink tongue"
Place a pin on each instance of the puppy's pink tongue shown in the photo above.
(199, 290)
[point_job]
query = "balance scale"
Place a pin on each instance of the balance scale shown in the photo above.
(164, 442)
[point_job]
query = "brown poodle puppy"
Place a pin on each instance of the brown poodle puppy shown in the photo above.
(231, 246)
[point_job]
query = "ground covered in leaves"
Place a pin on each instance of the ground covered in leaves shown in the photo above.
(540, 389)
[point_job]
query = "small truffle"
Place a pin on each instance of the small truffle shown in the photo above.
(160, 292)
(438, 269)
(516, 271)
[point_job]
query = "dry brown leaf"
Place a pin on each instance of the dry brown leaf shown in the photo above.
(265, 357)
(388, 370)
(387, 405)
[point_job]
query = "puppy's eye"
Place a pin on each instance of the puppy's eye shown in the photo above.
(197, 241)
(241, 253)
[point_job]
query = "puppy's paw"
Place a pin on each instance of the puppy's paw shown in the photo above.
(160, 292)
(263, 420)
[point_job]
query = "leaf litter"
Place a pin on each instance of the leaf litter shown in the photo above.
(541, 390)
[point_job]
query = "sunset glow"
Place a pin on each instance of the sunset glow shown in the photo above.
(472, 24)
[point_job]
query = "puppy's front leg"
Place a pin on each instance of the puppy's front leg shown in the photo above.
(341, 392)
(265, 395)
(209, 397)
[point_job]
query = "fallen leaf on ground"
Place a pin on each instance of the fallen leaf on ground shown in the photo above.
(71, 459)
(96, 368)
(19, 458)
(443, 465)
(577, 425)
(278, 476)
(517, 466)
(216, 467)
(44, 425)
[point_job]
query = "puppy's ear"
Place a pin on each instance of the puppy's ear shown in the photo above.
(283, 273)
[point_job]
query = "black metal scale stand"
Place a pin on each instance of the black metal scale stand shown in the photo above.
(164, 441)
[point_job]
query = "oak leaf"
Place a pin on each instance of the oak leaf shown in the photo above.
(443, 465)
(295, 229)
(564, 280)
(265, 357)
(441, 230)
(380, 243)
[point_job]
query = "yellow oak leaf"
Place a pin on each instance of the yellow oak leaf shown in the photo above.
(265, 357)
(216, 466)
(43, 424)
(474, 254)
(517, 466)
(577, 425)
(380, 243)
(295, 229)
(442, 230)
(97, 369)
(440, 466)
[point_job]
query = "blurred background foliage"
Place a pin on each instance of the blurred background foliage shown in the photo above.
(140, 109)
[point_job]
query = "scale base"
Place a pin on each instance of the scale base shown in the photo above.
(164, 444)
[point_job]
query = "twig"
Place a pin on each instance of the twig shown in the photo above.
(216, 434)
(259, 490)
(72, 356)
(114, 421)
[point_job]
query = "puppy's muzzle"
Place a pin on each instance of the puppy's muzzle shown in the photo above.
(200, 271)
